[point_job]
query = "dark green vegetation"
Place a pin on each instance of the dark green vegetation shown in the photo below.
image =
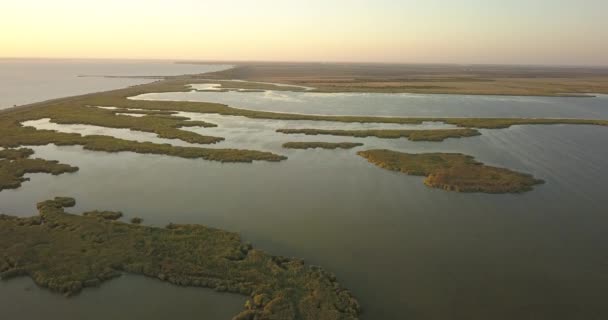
(323, 145)
(15, 163)
(67, 253)
(453, 171)
(416, 78)
(413, 135)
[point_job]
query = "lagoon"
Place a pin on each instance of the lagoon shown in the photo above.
(405, 251)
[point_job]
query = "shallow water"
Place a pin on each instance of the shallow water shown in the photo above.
(131, 297)
(405, 250)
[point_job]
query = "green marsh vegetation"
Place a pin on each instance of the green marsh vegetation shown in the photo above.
(452, 171)
(413, 135)
(15, 163)
(14, 134)
(67, 253)
(164, 126)
(322, 145)
(162, 121)
(17, 136)
(159, 118)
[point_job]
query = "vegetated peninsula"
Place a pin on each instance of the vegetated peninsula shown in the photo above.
(413, 135)
(322, 145)
(67, 253)
(15, 163)
(453, 171)
(428, 78)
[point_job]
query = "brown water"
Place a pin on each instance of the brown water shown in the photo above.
(405, 250)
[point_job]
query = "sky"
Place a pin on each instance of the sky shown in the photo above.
(556, 32)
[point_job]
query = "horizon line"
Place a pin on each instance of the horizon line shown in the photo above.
(242, 61)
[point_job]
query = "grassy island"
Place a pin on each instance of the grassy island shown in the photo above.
(67, 253)
(15, 163)
(413, 135)
(452, 171)
(322, 145)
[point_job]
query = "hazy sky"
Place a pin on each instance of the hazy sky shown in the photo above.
(452, 31)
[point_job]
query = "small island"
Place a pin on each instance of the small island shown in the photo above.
(15, 163)
(453, 171)
(322, 145)
(67, 253)
(412, 135)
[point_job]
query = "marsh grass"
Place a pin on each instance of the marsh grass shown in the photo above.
(453, 171)
(413, 135)
(15, 163)
(322, 145)
(67, 253)
(160, 119)
(426, 79)
(14, 134)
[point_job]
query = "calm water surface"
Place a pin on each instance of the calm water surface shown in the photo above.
(24, 81)
(405, 250)
(402, 104)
